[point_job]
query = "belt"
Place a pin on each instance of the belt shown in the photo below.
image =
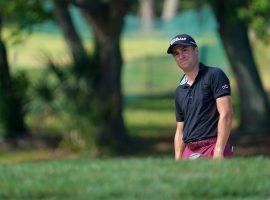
(201, 143)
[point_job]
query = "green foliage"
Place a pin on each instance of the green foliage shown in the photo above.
(44, 92)
(68, 92)
(187, 4)
(21, 15)
(137, 178)
(257, 13)
(24, 12)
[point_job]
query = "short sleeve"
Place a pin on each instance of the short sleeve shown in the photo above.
(178, 112)
(220, 84)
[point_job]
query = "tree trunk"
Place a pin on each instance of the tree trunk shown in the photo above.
(255, 109)
(170, 8)
(107, 22)
(147, 14)
(11, 107)
(72, 38)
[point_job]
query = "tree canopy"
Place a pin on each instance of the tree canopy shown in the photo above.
(257, 13)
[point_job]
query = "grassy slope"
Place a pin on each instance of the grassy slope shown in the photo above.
(147, 178)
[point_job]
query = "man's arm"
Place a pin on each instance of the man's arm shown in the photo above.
(224, 107)
(179, 145)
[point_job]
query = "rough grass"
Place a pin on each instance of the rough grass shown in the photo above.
(137, 178)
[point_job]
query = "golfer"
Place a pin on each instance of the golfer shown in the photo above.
(202, 105)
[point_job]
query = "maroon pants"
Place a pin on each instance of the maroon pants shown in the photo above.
(206, 148)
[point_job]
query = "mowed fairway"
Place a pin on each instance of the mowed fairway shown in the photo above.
(137, 178)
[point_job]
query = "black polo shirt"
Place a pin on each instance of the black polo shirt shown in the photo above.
(195, 105)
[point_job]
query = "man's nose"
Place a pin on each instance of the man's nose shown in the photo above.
(180, 55)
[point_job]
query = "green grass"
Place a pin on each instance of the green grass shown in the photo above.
(134, 178)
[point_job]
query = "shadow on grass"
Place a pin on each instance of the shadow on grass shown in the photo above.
(151, 131)
(152, 140)
(153, 146)
(163, 101)
(256, 144)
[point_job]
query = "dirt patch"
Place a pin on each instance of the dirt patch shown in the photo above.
(30, 143)
(251, 145)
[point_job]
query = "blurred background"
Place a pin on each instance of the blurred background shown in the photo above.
(88, 87)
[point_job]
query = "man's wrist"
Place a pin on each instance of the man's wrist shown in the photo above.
(178, 157)
(219, 149)
(218, 152)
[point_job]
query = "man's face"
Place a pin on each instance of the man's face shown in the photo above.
(185, 56)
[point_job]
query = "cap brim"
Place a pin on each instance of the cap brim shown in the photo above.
(169, 51)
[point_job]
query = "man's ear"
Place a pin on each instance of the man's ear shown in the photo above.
(196, 50)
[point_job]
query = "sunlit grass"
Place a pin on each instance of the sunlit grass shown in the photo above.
(33, 51)
(141, 117)
(139, 47)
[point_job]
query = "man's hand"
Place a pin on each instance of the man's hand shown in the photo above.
(177, 157)
(218, 154)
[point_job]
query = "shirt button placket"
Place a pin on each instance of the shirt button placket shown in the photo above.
(190, 96)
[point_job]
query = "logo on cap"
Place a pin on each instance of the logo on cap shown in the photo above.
(177, 39)
(225, 86)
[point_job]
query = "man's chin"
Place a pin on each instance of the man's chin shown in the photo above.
(184, 67)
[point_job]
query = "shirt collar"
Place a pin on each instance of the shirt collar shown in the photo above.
(202, 68)
(184, 80)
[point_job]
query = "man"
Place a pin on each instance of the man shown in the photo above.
(202, 105)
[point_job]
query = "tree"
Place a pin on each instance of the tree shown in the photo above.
(170, 8)
(63, 18)
(106, 19)
(147, 14)
(255, 109)
(11, 109)
(13, 88)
